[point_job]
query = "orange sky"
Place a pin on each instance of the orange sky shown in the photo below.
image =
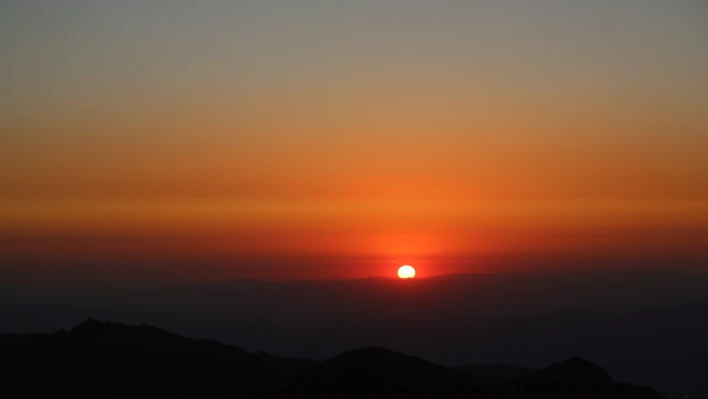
(408, 135)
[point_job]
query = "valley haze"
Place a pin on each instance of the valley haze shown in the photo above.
(521, 319)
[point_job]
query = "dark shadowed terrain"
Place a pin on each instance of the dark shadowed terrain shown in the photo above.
(109, 360)
(643, 328)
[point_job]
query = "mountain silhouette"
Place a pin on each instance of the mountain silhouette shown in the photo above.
(111, 360)
(577, 378)
(379, 370)
(623, 321)
(575, 371)
(495, 373)
(99, 359)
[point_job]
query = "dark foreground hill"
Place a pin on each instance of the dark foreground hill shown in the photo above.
(647, 328)
(110, 360)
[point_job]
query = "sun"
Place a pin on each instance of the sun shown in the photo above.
(406, 271)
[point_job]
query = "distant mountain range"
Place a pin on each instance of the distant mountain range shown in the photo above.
(645, 328)
(111, 360)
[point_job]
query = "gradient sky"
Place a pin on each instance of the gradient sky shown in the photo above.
(250, 135)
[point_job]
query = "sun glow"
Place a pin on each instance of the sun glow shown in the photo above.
(406, 271)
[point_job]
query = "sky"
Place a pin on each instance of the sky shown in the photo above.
(329, 139)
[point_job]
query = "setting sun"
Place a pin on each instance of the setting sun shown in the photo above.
(406, 271)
